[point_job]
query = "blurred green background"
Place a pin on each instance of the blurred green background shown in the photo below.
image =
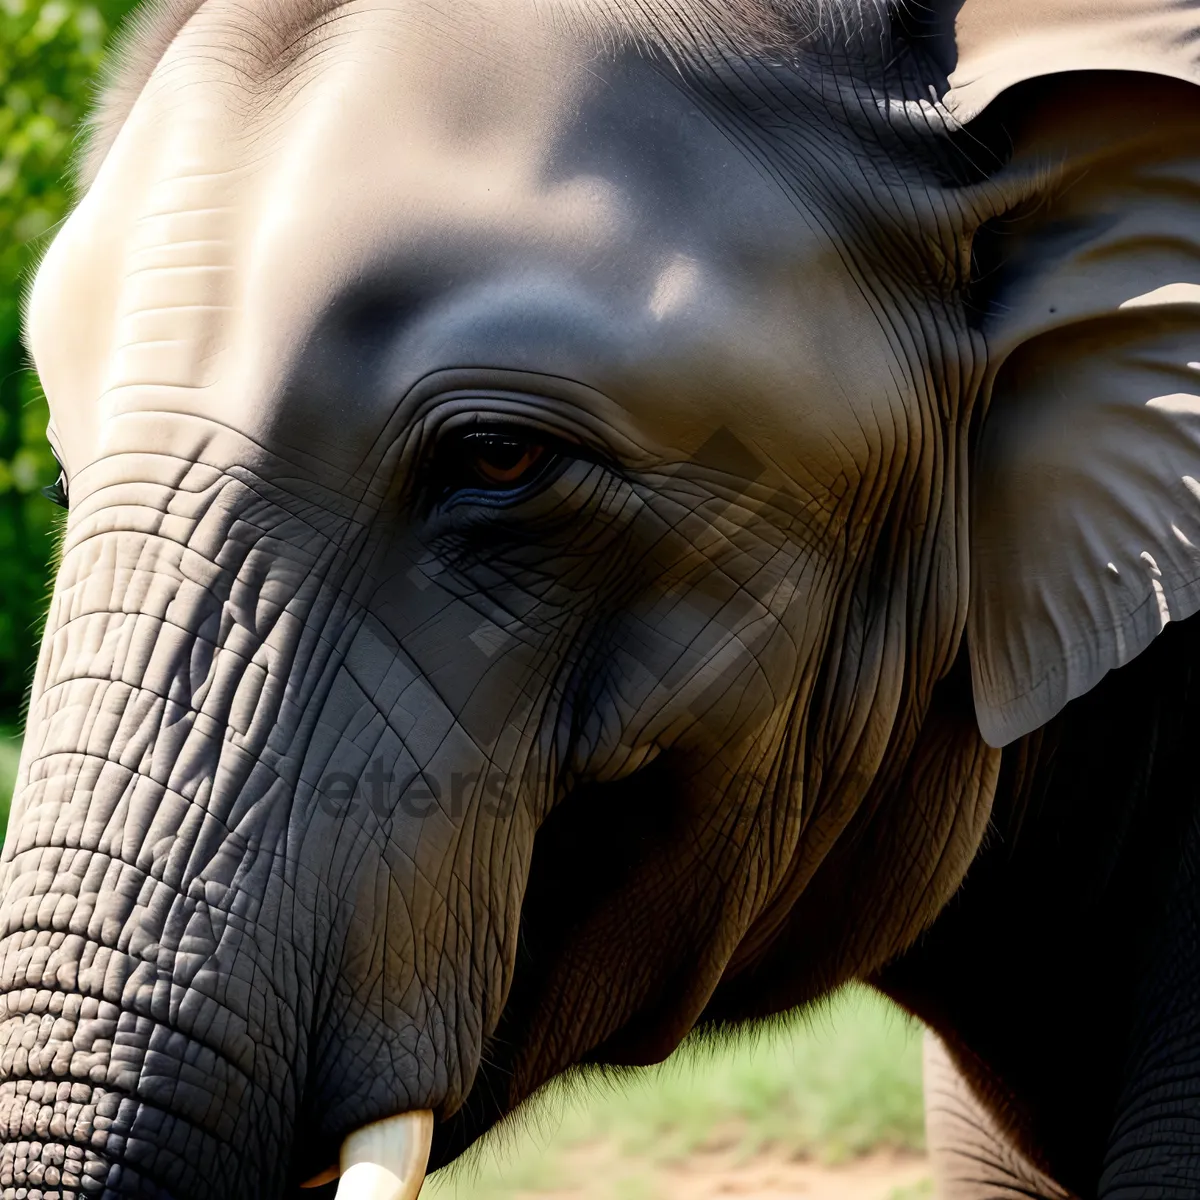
(827, 1089)
(50, 57)
(826, 1106)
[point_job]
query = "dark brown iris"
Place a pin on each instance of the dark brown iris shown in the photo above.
(502, 460)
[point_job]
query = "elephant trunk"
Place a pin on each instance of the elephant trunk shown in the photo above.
(145, 1041)
(128, 1064)
(176, 1014)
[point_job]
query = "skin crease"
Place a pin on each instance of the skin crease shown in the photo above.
(679, 732)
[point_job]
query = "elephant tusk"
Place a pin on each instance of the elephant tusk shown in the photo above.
(385, 1160)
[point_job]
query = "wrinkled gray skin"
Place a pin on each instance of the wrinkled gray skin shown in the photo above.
(822, 457)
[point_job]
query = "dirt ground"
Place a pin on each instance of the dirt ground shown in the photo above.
(877, 1177)
(719, 1176)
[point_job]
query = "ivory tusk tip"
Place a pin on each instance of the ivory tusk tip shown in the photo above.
(387, 1159)
(370, 1181)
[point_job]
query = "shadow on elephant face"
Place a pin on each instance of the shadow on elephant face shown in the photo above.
(561, 520)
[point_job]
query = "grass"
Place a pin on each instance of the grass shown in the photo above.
(10, 753)
(838, 1083)
(918, 1191)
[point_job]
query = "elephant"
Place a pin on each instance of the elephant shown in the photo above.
(590, 521)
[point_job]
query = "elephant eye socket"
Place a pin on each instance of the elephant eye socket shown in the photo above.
(503, 461)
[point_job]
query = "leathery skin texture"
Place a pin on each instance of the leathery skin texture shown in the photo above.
(527, 587)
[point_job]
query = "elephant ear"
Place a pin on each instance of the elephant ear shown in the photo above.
(1085, 523)
(997, 44)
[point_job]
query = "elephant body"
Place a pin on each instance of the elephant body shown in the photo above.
(1060, 976)
(592, 519)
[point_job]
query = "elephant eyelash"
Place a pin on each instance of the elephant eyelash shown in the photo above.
(57, 492)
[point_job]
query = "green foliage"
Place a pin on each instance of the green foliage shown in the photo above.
(50, 52)
(10, 754)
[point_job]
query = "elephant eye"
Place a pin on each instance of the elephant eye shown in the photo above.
(500, 461)
(57, 491)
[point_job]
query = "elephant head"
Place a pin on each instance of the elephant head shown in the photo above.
(546, 481)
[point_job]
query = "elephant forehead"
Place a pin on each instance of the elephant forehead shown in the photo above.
(416, 189)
